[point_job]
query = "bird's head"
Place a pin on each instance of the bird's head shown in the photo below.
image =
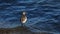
(23, 13)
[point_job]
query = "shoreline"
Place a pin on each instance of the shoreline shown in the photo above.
(20, 30)
(17, 30)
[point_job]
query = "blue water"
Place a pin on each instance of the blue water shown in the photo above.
(43, 15)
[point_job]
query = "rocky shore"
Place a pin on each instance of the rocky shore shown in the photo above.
(19, 30)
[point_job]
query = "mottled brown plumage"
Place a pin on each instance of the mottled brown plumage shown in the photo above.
(23, 17)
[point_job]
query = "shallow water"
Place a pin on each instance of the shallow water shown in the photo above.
(43, 15)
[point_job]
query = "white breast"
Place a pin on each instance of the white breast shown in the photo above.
(24, 20)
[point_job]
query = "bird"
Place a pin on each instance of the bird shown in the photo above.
(23, 18)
